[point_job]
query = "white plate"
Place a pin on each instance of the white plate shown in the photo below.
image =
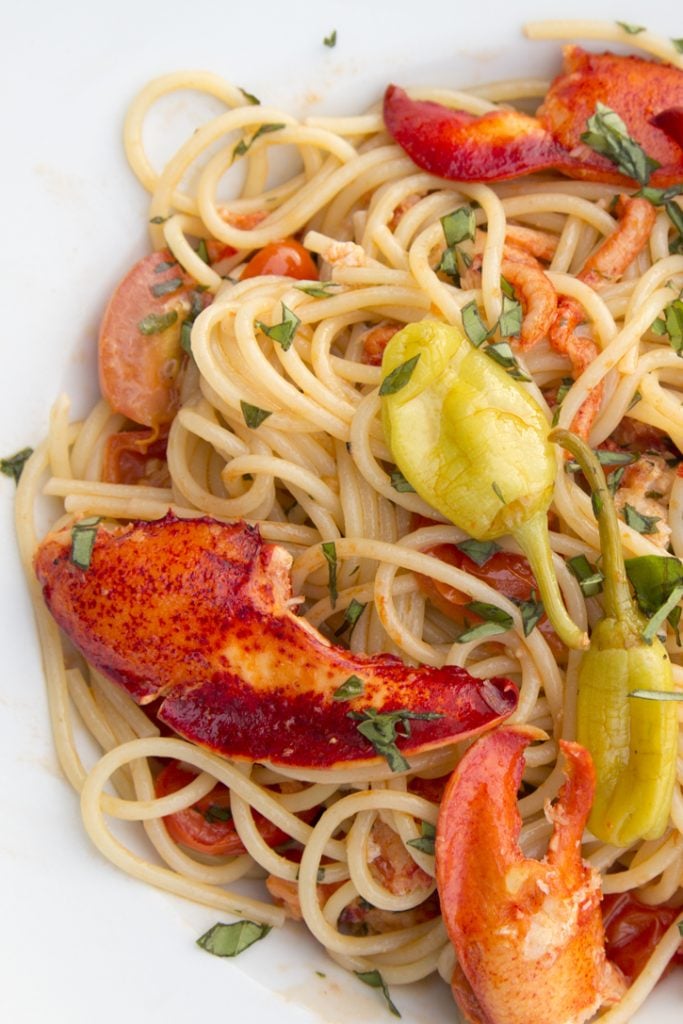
(79, 941)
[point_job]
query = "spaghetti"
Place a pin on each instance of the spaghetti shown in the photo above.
(316, 468)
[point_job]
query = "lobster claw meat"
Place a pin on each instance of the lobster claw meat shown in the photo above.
(504, 143)
(528, 934)
(198, 615)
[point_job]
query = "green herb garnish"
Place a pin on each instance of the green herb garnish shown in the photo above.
(253, 416)
(473, 325)
(502, 354)
(382, 729)
(244, 145)
(638, 522)
(330, 553)
(374, 980)
(607, 134)
(156, 323)
(351, 688)
(283, 333)
(13, 465)
(589, 578)
(249, 97)
(632, 30)
(232, 939)
(478, 550)
(399, 482)
(320, 290)
(656, 695)
(425, 842)
(532, 612)
(399, 377)
(351, 617)
(83, 534)
(331, 40)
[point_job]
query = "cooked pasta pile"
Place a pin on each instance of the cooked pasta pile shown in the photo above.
(317, 469)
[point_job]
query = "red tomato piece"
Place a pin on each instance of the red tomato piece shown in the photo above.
(633, 929)
(287, 258)
(140, 355)
(207, 826)
(134, 456)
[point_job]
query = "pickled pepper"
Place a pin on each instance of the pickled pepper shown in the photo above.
(474, 444)
(633, 741)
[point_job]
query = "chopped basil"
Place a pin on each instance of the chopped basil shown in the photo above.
(680, 927)
(590, 579)
(425, 842)
(448, 264)
(532, 612)
(459, 226)
(490, 613)
(510, 322)
(637, 397)
(244, 145)
(196, 306)
(13, 465)
(638, 522)
(607, 134)
(318, 291)
(614, 480)
(165, 265)
(654, 579)
(473, 325)
(253, 416)
(399, 482)
(232, 939)
(399, 377)
(671, 323)
(502, 354)
(156, 323)
(166, 287)
(283, 333)
(482, 631)
(632, 30)
(656, 695)
(159, 220)
(678, 43)
(375, 980)
(607, 458)
(498, 493)
(381, 729)
(249, 97)
(351, 617)
(216, 813)
(657, 620)
(562, 393)
(330, 553)
(352, 687)
(331, 40)
(202, 251)
(83, 534)
(660, 196)
(478, 550)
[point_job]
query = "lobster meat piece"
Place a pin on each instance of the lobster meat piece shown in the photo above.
(199, 614)
(500, 144)
(528, 934)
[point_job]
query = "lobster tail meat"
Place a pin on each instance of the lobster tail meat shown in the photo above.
(198, 615)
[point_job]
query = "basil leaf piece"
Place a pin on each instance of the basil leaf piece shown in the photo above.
(244, 145)
(653, 578)
(399, 482)
(283, 333)
(232, 939)
(607, 458)
(352, 687)
(607, 134)
(589, 578)
(166, 287)
(448, 264)
(532, 612)
(399, 377)
(671, 323)
(614, 480)
(638, 522)
(382, 729)
(159, 220)
(374, 980)
(165, 265)
(318, 291)
(13, 465)
(83, 535)
(459, 226)
(490, 613)
(680, 927)
(656, 695)
(425, 842)
(510, 322)
(202, 251)
(156, 323)
(632, 30)
(659, 617)
(498, 493)
(473, 325)
(249, 97)
(253, 416)
(678, 43)
(331, 40)
(351, 616)
(502, 354)
(330, 553)
(478, 550)
(216, 813)
(481, 632)
(659, 196)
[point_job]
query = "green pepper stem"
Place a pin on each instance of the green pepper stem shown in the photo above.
(534, 541)
(618, 601)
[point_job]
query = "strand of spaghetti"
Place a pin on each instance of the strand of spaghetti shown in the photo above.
(62, 487)
(367, 887)
(621, 881)
(607, 31)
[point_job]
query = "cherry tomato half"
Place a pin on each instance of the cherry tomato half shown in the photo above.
(287, 258)
(633, 929)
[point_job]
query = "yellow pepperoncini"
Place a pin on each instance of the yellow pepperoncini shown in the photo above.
(632, 739)
(474, 444)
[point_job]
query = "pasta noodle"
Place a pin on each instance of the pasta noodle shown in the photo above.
(318, 469)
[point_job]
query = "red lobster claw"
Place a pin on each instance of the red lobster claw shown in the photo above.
(528, 934)
(199, 614)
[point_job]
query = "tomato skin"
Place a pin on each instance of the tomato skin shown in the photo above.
(140, 373)
(191, 826)
(287, 258)
(633, 929)
(508, 573)
(133, 456)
